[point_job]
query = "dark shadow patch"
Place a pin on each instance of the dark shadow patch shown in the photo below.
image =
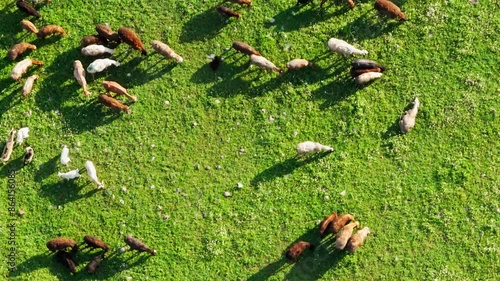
(368, 26)
(203, 26)
(65, 191)
(46, 169)
(299, 16)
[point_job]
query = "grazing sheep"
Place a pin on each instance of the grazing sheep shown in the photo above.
(64, 156)
(138, 245)
(342, 47)
(67, 260)
(29, 26)
(228, 12)
(309, 147)
(61, 244)
(27, 8)
(407, 120)
(351, 3)
(344, 235)
(215, 63)
(70, 175)
(9, 146)
(79, 73)
(100, 64)
(93, 174)
(242, 2)
(95, 50)
(119, 90)
(28, 85)
(19, 49)
(339, 222)
(357, 240)
(385, 7)
(166, 51)
(50, 30)
(22, 134)
(113, 103)
(264, 63)
(367, 64)
(367, 77)
(297, 249)
(28, 156)
(324, 225)
(130, 38)
(22, 67)
(298, 63)
(95, 242)
(94, 263)
(92, 40)
(243, 47)
(107, 33)
(357, 72)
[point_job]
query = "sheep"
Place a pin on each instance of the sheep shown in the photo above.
(22, 67)
(165, 51)
(70, 175)
(27, 8)
(298, 64)
(93, 174)
(28, 156)
(385, 7)
(95, 242)
(50, 30)
(28, 85)
(264, 63)
(19, 49)
(367, 64)
(325, 223)
(100, 64)
(357, 72)
(67, 260)
(138, 245)
(407, 120)
(61, 244)
(342, 47)
(242, 2)
(9, 146)
(91, 40)
(29, 26)
(113, 103)
(112, 86)
(367, 77)
(64, 156)
(94, 263)
(215, 63)
(228, 12)
(130, 38)
(107, 33)
(79, 73)
(297, 249)
(357, 240)
(22, 134)
(339, 222)
(344, 235)
(243, 47)
(309, 147)
(95, 50)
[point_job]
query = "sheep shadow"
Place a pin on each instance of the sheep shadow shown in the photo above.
(88, 116)
(368, 26)
(66, 191)
(284, 168)
(108, 268)
(299, 16)
(311, 265)
(11, 95)
(204, 26)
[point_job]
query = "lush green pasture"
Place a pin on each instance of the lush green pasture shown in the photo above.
(431, 197)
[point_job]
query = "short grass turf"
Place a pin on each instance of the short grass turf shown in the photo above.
(430, 197)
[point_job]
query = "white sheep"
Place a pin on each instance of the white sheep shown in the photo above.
(407, 120)
(309, 147)
(264, 63)
(93, 174)
(100, 64)
(95, 50)
(22, 134)
(69, 175)
(341, 46)
(367, 77)
(64, 156)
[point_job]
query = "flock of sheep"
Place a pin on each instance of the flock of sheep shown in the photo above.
(363, 71)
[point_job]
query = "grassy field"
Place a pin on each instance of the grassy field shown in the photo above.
(430, 197)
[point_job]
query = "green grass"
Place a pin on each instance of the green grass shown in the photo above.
(430, 196)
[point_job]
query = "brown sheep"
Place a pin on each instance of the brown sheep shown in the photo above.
(19, 49)
(119, 90)
(339, 222)
(138, 245)
(50, 30)
(29, 26)
(325, 224)
(357, 240)
(67, 260)
(243, 47)
(94, 263)
(60, 244)
(107, 33)
(228, 12)
(130, 38)
(297, 249)
(386, 7)
(112, 103)
(344, 235)
(95, 242)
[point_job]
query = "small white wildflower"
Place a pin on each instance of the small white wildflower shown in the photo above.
(217, 101)
(121, 201)
(295, 133)
(166, 102)
(152, 186)
(239, 185)
(342, 193)
(128, 74)
(227, 194)
(272, 20)
(271, 119)
(124, 189)
(326, 198)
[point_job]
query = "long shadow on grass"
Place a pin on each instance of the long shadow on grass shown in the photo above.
(285, 168)
(311, 265)
(65, 191)
(109, 267)
(203, 26)
(301, 16)
(370, 25)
